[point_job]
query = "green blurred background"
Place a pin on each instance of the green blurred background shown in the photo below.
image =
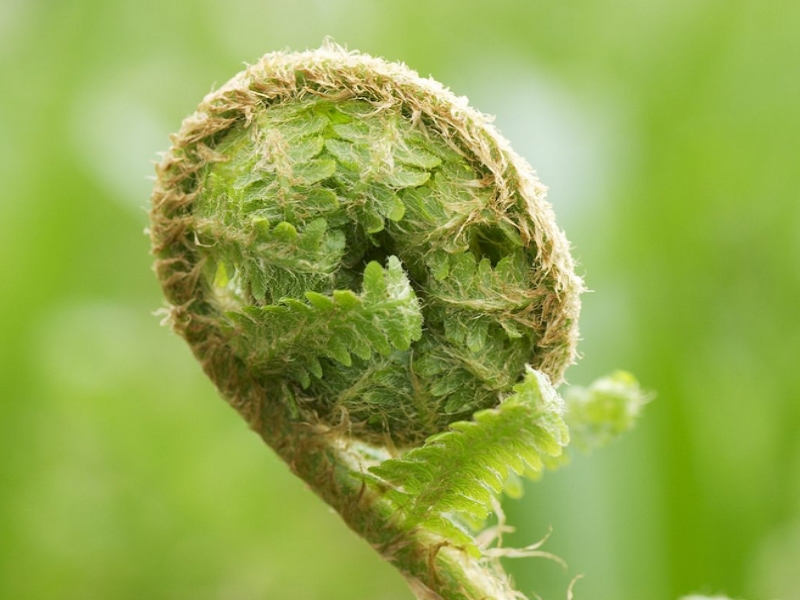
(669, 135)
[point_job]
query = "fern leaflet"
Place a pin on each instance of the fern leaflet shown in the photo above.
(297, 333)
(456, 473)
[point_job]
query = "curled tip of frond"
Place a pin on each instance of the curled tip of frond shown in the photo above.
(607, 408)
(340, 231)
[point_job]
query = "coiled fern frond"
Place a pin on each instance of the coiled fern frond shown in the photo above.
(374, 280)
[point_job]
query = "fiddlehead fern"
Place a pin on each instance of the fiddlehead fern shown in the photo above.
(361, 264)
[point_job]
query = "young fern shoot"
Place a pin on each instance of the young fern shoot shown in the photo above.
(374, 280)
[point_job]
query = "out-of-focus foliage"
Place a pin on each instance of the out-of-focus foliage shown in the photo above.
(599, 413)
(667, 132)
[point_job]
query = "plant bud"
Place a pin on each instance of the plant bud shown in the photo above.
(362, 245)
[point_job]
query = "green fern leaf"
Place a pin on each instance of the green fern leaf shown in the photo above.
(298, 333)
(460, 471)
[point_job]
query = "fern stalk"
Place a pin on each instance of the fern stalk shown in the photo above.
(373, 279)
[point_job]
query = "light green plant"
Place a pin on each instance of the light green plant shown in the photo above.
(374, 280)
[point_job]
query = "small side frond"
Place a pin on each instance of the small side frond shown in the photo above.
(459, 472)
(603, 411)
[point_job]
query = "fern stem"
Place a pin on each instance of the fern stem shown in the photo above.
(434, 569)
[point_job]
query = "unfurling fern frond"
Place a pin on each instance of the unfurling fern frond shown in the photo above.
(373, 278)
